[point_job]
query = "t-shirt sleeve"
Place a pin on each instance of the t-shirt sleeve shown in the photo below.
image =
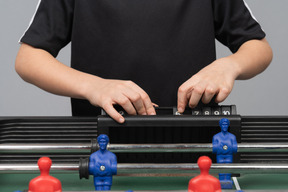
(51, 27)
(234, 23)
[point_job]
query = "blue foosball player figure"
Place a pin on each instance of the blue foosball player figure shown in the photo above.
(103, 165)
(224, 146)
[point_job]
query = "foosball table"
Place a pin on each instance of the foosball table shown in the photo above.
(154, 153)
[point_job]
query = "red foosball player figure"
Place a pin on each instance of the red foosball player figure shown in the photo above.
(204, 182)
(45, 182)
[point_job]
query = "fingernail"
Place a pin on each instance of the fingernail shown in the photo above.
(121, 120)
(180, 109)
(152, 113)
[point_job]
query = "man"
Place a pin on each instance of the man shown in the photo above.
(131, 52)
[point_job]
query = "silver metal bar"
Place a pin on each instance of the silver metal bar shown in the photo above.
(262, 147)
(140, 148)
(33, 168)
(43, 147)
(237, 186)
(134, 169)
(195, 147)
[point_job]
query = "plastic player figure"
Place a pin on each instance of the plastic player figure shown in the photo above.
(224, 145)
(204, 182)
(45, 182)
(102, 165)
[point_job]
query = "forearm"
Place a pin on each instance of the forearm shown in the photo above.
(217, 79)
(40, 68)
(252, 58)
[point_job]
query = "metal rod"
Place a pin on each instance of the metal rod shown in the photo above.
(51, 147)
(139, 148)
(128, 169)
(262, 147)
(195, 147)
(237, 186)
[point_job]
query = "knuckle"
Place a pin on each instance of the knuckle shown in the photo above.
(210, 90)
(106, 105)
(198, 90)
(220, 99)
(182, 89)
(136, 97)
(124, 101)
(104, 98)
(145, 97)
(119, 86)
(226, 90)
(191, 104)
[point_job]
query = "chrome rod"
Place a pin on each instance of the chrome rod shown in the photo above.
(236, 183)
(134, 169)
(262, 147)
(139, 148)
(46, 147)
(195, 147)
(33, 168)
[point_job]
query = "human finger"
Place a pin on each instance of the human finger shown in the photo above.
(125, 102)
(148, 105)
(137, 101)
(196, 95)
(222, 95)
(155, 105)
(112, 112)
(208, 94)
(182, 98)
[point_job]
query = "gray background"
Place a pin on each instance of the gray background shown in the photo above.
(265, 94)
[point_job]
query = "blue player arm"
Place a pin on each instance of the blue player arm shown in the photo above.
(91, 165)
(114, 165)
(235, 145)
(215, 145)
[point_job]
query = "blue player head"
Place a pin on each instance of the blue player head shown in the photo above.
(103, 141)
(224, 124)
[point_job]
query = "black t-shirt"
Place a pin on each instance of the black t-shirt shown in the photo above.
(158, 44)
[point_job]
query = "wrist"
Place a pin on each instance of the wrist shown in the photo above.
(89, 86)
(233, 66)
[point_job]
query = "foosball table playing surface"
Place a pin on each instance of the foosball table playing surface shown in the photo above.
(154, 153)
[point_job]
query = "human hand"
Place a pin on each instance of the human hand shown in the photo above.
(127, 94)
(216, 79)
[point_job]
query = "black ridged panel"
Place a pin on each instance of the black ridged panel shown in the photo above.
(257, 129)
(48, 130)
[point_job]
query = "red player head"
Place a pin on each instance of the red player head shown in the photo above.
(44, 164)
(45, 182)
(204, 164)
(204, 182)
